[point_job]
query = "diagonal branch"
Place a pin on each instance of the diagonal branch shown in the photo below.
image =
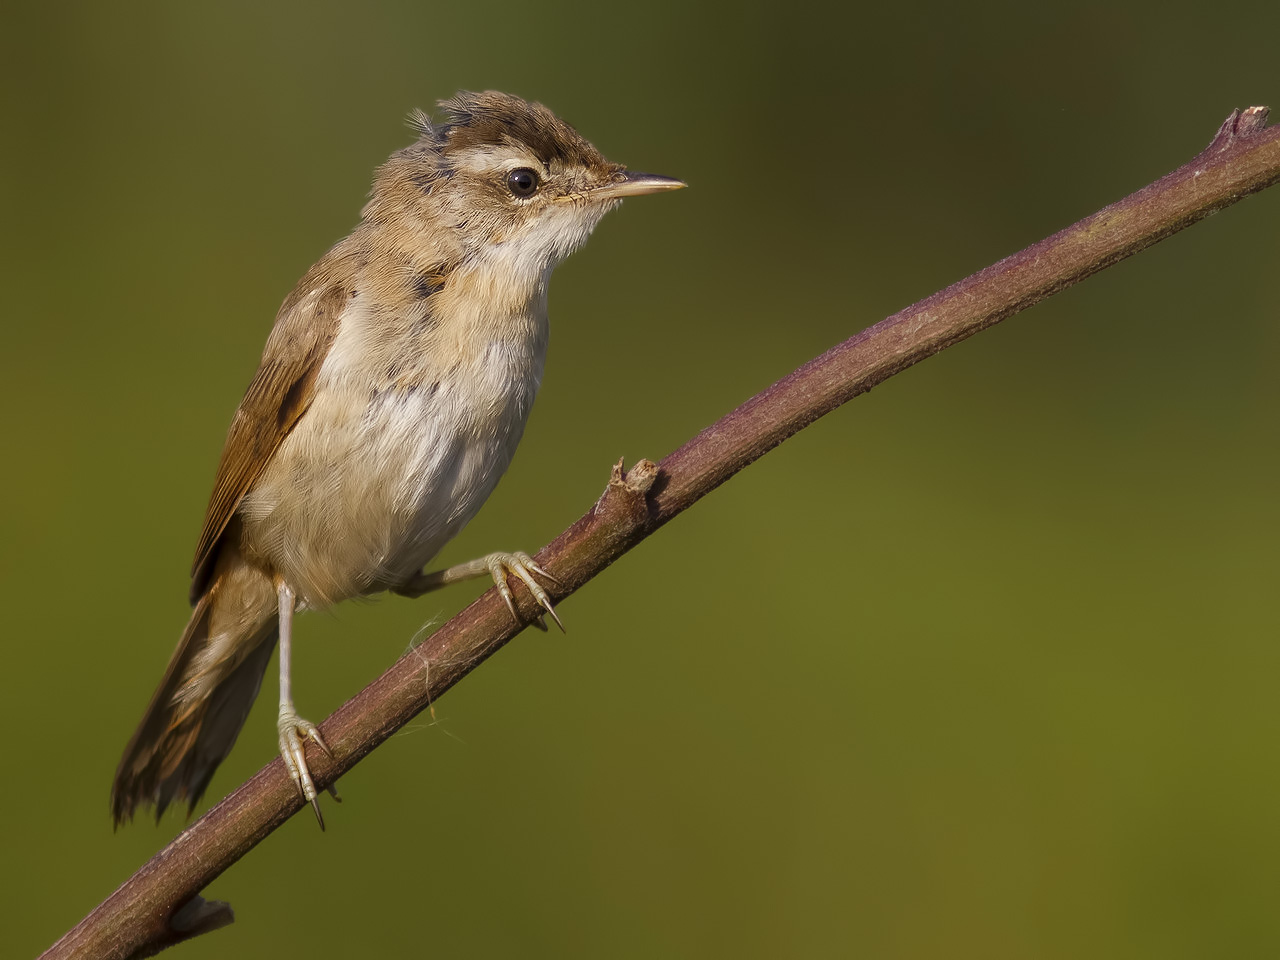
(160, 906)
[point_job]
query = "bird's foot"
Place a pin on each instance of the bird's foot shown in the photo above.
(522, 565)
(294, 733)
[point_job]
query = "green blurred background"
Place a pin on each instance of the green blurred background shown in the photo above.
(981, 665)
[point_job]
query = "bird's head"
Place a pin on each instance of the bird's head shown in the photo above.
(506, 180)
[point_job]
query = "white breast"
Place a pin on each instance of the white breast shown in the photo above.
(382, 471)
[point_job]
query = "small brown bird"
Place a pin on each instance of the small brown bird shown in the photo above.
(392, 392)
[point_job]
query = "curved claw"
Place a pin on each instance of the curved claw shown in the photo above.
(294, 732)
(528, 562)
(522, 565)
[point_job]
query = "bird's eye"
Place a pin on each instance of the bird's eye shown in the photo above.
(522, 182)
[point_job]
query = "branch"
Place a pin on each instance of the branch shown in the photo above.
(160, 906)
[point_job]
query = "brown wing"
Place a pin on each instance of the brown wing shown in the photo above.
(280, 393)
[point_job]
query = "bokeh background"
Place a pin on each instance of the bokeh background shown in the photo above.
(981, 665)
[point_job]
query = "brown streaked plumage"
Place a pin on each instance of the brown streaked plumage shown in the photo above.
(391, 395)
(279, 394)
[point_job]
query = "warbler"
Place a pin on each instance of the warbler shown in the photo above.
(392, 392)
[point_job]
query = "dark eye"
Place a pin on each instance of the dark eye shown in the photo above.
(522, 182)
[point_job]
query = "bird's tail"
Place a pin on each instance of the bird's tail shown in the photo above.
(197, 711)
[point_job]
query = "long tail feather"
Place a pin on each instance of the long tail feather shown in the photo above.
(188, 728)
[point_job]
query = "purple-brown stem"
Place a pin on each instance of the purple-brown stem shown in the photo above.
(159, 905)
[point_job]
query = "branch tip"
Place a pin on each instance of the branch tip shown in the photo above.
(1239, 125)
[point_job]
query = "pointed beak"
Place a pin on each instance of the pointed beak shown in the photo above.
(630, 184)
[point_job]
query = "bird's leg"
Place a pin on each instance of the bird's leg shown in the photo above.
(496, 565)
(295, 731)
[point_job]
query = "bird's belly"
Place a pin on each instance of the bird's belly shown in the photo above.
(370, 485)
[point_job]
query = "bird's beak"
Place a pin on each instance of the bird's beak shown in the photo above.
(630, 184)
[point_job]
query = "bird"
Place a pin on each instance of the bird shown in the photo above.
(393, 389)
